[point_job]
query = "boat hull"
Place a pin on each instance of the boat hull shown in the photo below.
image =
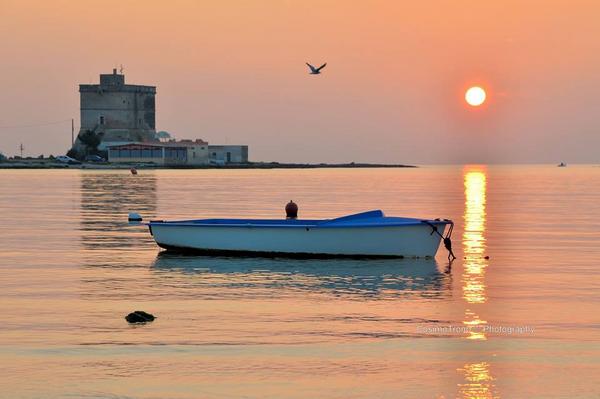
(413, 240)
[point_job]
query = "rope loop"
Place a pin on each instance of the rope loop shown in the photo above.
(447, 239)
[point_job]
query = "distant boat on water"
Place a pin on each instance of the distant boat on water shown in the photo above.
(562, 165)
(367, 234)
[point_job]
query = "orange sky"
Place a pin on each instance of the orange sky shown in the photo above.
(233, 71)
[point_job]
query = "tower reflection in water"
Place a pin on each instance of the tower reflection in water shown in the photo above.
(106, 199)
(478, 380)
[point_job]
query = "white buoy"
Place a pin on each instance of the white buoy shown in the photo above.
(135, 217)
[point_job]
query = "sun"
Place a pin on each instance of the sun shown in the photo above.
(475, 96)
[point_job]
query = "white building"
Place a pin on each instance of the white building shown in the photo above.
(224, 154)
(172, 153)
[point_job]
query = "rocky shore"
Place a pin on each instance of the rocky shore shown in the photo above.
(36, 163)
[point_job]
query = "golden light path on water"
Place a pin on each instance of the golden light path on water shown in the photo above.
(474, 248)
(478, 380)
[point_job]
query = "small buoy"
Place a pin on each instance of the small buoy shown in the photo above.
(133, 171)
(134, 217)
(139, 316)
(291, 210)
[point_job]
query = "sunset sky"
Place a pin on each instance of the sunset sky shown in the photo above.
(393, 90)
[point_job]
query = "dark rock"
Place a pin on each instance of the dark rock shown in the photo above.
(139, 316)
(486, 257)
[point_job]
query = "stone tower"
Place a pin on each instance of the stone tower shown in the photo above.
(113, 112)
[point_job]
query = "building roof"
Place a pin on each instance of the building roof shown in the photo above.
(135, 146)
(172, 143)
(115, 82)
(188, 143)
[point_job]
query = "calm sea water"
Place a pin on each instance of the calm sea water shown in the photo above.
(523, 323)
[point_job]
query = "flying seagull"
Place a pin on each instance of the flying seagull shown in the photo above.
(315, 71)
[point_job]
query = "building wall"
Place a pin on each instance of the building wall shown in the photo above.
(119, 111)
(223, 154)
(184, 154)
(125, 154)
(176, 155)
(197, 154)
(157, 161)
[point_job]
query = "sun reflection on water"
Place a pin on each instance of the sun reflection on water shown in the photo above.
(478, 382)
(474, 236)
(473, 248)
(478, 378)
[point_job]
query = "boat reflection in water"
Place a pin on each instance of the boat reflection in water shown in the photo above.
(106, 199)
(478, 380)
(379, 279)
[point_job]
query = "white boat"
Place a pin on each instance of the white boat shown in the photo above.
(367, 234)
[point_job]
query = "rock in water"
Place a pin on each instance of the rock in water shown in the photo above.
(148, 316)
(139, 316)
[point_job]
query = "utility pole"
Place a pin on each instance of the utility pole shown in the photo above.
(21, 148)
(72, 132)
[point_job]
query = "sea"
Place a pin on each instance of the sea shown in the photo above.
(516, 315)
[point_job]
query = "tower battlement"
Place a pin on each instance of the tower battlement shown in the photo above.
(112, 80)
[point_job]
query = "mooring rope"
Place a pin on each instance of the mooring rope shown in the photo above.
(447, 239)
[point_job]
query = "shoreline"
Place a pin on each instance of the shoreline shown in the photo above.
(39, 164)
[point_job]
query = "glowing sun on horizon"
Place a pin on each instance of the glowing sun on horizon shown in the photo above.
(475, 96)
